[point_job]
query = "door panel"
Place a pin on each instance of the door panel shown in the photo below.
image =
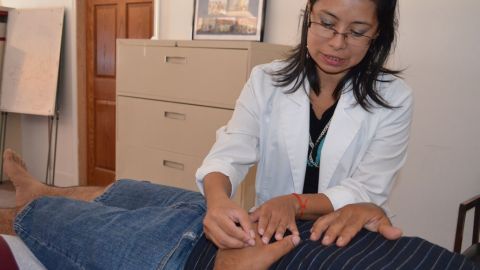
(104, 138)
(108, 20)
(139, 15)
(105, 36)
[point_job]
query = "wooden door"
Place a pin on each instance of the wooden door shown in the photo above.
(108, 20)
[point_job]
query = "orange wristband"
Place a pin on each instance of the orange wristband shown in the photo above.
(303, 204)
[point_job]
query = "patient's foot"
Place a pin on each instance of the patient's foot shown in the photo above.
(27, 188)
(7, 215)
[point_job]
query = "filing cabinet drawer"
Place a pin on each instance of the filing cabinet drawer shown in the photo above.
(204, 76)
(157, 166)
(166, 168)
(179, 128)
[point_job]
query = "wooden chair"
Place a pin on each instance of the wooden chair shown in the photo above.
(473, 252)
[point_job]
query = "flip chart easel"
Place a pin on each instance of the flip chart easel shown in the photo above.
(31, 72)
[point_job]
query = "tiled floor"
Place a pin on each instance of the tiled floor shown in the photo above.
(7, 194)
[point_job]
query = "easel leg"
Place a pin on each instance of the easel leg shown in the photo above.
(52, 140)
(50, 127)
(55, 149)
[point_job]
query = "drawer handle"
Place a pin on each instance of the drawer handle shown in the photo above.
(175, 60)
(173, 165)
(176, 116)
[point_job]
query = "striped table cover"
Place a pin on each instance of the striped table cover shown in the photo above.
(367, 250)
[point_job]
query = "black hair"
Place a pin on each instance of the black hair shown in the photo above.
(363, 76)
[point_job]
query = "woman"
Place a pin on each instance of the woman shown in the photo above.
(330, 123)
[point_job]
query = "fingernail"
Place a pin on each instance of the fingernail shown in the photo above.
(340, 241)
(313, 236)
(260, 231)
(252, 234)
(295, 240)
(265, 240)
(326, 240)
(251, 242)
(278, 236)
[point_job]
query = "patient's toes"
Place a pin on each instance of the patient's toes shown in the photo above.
(14, 157)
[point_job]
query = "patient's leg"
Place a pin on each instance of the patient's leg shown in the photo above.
(27, 188)
(7, 216)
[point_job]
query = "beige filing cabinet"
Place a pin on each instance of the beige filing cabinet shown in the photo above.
(172, 96)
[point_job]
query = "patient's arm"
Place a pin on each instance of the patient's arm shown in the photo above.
(260, 256)
(343, 224)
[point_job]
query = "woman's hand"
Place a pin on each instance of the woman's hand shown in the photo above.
(343, 224)
(220, 225)
(275, 217)
(261, 256)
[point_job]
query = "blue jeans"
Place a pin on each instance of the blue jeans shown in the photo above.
(133, 225)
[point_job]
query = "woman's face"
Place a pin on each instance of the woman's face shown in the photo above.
(336, 54)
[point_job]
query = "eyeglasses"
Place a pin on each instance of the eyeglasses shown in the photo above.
(327, 31)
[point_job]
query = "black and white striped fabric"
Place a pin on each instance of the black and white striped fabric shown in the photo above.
(367, 250)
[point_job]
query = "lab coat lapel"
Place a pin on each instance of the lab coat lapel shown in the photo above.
(344, 126)
(294, 126)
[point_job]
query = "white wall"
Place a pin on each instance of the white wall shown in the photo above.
(34, 142)
(438, 45)
(438, 42)
(282, 20)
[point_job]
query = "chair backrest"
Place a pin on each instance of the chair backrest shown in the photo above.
(462, 211)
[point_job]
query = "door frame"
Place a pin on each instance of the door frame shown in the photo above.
(81, 28)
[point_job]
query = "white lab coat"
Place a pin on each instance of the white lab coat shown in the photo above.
(361, 155)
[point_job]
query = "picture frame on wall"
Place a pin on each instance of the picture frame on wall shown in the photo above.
(229, 20)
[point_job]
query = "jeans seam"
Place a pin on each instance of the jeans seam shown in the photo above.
(21, 231)
(107, 194)
(24, 212)
(185, 236)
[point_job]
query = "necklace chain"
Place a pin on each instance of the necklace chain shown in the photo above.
(311, 161)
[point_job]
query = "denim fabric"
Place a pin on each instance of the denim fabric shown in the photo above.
(133, 225)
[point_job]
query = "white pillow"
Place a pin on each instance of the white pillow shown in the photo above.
(24, 257)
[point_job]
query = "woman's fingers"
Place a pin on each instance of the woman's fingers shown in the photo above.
(348, 232)
(343, 224)
(275, 217)
(321, 225)
(263, 220)
(273, 224)
(292, 227)
(338, 227)
(221, 239)
(334, 229)
(280, 231)
(388, 231)
(221, 226)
